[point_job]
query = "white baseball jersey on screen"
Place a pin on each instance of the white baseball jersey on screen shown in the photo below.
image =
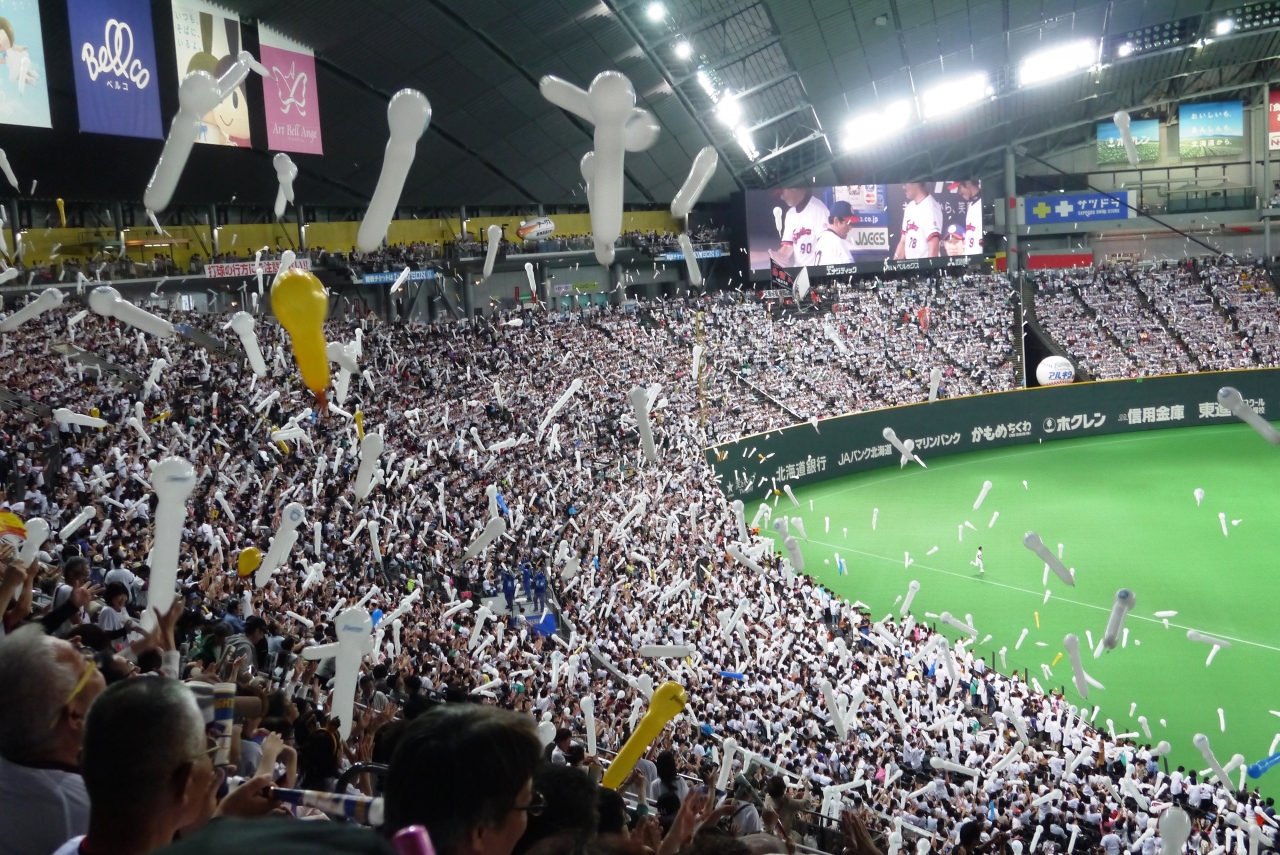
(920, 221)
(802, 228)
(831, 249)
(973, 227)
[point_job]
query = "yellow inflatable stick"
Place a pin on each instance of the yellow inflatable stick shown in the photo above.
(300, 304)
(250, 558)
(93, 411)
(359, 420)
(667, 702)
(62, 214)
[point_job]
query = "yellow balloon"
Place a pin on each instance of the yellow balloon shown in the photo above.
(93, 411)
(667, 702)
(62, 214)
(359, 420)
(250, 558)
(300, 304)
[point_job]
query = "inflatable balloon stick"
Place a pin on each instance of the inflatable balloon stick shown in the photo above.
(704, 166)
(798, 524)
(1032, 541)
(242, 324)
(793, 553)
(286, 172)
(355, 636)
(609, 104)
(786, 488)
(744, 536)
(172, 479)
(833, 710)
(935, 377)
(8, 170)
(300, 303)
(81, 518)
(1199, 494)
(956, 623)
(737, 555)
(63, 416)
(1257, 770)
(370, 451)
(1175, 828)
(358, 418)
(106, 301)
(588, 706)
(50, 298)
(1125, 600)
(249, 559)
(491, 252)
(408, 114)
(558, 406)
(1072, 643)
(665, 651)
(892, 438)
(690, 260)
(912, 590)
(640, 408)
(197, 95)
(62, 213)
(1121, 118)
(533, 281)
(282, 544)
(1230, 398)
(37, 534)
(668, 701)
(493, 530)
(986, 488)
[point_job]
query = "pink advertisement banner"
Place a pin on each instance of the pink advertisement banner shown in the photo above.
(292, 103)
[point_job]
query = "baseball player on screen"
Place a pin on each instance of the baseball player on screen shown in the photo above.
(921, 224)
(805, 219)
(830, 247)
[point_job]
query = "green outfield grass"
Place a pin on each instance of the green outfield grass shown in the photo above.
(1125, 511)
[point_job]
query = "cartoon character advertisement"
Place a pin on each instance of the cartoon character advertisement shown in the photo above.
(289, 94)
(24, 90)
(207, 38)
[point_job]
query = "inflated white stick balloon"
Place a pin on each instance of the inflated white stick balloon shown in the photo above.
(786, 488)
(640, 408)
(948, 766)
(106, 301)
(1115, 624)
(949, 620)
(8, 170)
(282, 544)
(355, 633)
(153, 378)
(50, 298)
(935, 377)
(986, 488)
(833, 709)
(665, 651)
(798, 524)
(37, 534)
(1032, 541)
(912, 590)
(1121, 118)
(558, 406)
(888, 434)
(1201, 742)
(198, 94)
(1072, 644)
(342, 354)
(373, 541)
(172, 479)
(491, 253)
(1196, 635)
(728, 749)
(1230, 398)
(370, 450)
(744, 535)
(286, 172)
(63, 416)
(1199, 494)
(1175, 828)
(588, 706)
(742, 559)
(408, 114)
(690, 260)
(704, 166)
(242, 324)
(81, 518)
(493, 530)
(794, 554)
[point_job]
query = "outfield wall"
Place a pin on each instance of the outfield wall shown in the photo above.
(855, 443)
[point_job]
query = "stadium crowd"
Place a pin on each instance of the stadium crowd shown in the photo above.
(472, 704)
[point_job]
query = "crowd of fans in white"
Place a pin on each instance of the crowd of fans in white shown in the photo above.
(444, 396)
(1139, 321)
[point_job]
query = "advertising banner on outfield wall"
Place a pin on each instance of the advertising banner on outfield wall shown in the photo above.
(289, 95)
(24, 86)
(856, 443)
(207, 38)
(113, 51)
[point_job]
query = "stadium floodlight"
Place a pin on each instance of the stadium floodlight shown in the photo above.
(1059, 61)
(704, 80)
(743, 135)
(868, 129)
(955, 95)
(656, 12)
(684, 50)
(728, 110)
(1125, 49)
(1224, 26)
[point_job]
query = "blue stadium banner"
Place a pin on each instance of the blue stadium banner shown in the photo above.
(697, 253)
(113, 50)
(390, 276)
(1075, 207)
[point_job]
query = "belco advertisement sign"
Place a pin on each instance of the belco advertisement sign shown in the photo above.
(855, 443)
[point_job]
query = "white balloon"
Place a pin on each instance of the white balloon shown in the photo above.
(291, 517)
(286, 172)
(704, 166)
(50, 298)
(1121, 118)
(198, 94)
(355, 630)
(106, 301)
(172, 479)
(242, 324)
(408, 115)
(690, 260)
(491, 254)
(63, 416)
(37, 534)
(370, 449)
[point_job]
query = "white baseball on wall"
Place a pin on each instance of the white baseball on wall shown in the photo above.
(1054, 370)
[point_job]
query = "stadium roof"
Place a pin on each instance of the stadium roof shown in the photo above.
(792, 71)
